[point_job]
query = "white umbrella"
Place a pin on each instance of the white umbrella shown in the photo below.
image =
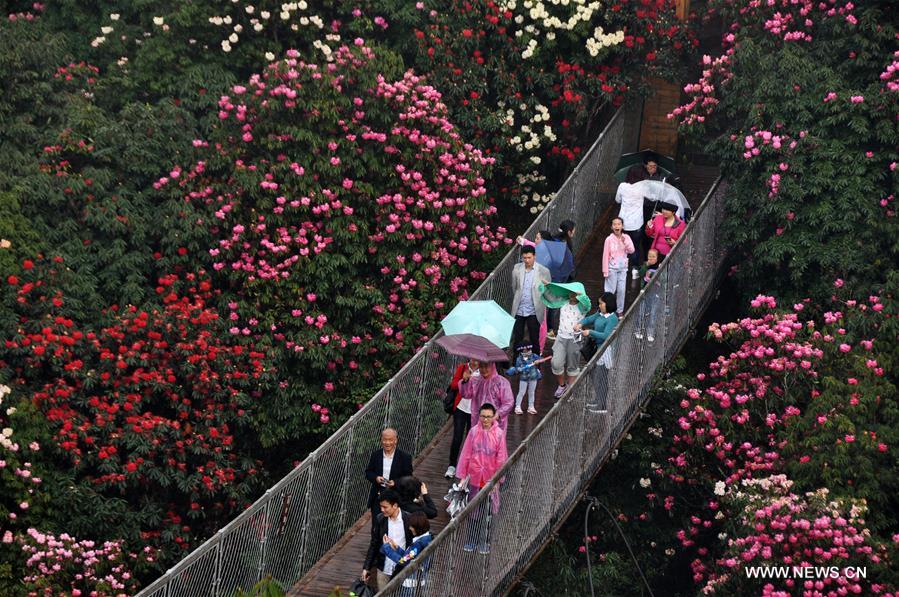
(659, 190)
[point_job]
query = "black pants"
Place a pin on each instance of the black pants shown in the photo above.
(461, 425)
(533, 327)
(636, 258)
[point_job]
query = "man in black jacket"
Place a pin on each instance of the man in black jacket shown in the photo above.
(385, 466)
(390, 522)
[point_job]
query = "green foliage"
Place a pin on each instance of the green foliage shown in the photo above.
(805, 132)
(340, 209)
(102, 99)
(632, 485)
(267, 587)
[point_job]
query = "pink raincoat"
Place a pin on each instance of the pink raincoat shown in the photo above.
(493, 389)
(483, 454)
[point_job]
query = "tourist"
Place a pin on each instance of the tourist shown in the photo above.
(527, 366)
(529, 311)
(488, 387)
(421, 537)
(599, 326)
(555, 252)
(385, 465)
(615, 253)
(665, 228)
(650, 298)
(566, 351)
(461, 413)
(414, 497)
(631, 214)
(483, 454)
(390, 523)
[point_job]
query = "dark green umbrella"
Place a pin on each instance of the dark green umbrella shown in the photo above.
(628, 160)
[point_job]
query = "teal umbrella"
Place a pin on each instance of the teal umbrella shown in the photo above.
(555, 294)
(480, 318)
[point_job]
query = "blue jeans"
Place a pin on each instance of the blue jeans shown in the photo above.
(479, 523)
(649, 312)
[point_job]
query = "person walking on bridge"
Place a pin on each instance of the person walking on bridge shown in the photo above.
(483, 454)
(390, 524)
(488, 387)
(528, 309)
(385, 466)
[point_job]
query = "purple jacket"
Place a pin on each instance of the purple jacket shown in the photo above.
(496, 390)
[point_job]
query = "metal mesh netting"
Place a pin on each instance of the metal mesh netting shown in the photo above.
(554, 464)
(302, 517)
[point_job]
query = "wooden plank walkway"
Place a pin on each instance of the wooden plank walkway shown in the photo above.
(341, 565)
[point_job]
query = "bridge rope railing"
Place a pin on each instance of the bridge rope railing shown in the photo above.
(290, 527)
(549, 470)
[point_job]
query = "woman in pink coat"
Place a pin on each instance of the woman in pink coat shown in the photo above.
(665, 228)
(615, 252)
(489, 387)
(483, 454)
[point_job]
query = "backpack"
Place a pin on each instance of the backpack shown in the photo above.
(449, 400)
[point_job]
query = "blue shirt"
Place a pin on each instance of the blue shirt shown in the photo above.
(526, 306)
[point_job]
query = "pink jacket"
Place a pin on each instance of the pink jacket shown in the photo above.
(483, 454)
(495, 390)
(659, 231)
(615, 251)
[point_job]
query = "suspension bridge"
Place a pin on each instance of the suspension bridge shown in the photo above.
(309, 532)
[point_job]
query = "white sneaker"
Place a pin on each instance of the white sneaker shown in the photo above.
(650, 338)
(638, 335)
(450, 472)
(518, 410)
(532, 411)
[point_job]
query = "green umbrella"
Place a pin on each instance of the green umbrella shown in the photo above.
(628, 160)
(481, 318)
(555, 294)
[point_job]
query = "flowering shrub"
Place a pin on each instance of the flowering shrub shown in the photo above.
(802, 106)
(344, 210)
(802, 404)
(528, 80)
(145, 407)
(21, 500)
(82, 567)
(776, 527)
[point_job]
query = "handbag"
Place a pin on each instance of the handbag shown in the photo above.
(588, 348)
(449, 400)
(361, 589)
